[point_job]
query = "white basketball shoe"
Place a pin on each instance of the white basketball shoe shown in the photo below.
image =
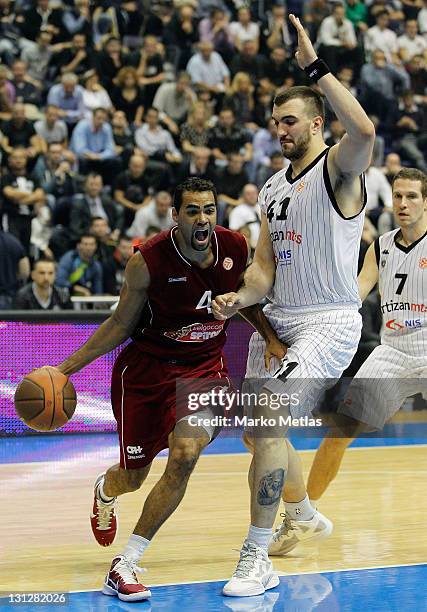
(254, 573)
(291, 532)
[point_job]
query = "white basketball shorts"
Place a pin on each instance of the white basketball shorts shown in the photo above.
(321, 346)
(382, 384)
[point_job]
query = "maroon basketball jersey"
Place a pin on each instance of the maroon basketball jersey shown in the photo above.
(177, 321)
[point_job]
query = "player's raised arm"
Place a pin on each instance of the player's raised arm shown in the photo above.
(257, 281)
(117, 328)
(368, 276)
(352, 155)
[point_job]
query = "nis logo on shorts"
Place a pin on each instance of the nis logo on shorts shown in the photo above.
(284, 258)
(395, 325)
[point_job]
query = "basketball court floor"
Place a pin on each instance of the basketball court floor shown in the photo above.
(375, 560)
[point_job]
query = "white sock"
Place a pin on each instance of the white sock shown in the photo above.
(135, 547)
(300, 511)
(259, 536)
(105, 498)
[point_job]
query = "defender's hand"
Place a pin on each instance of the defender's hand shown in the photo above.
(274, 348)
(305, 54)
(225, 306)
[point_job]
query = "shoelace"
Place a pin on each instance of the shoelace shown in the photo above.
(248, 556)
(286, 526)
(128, 570)
(105, 513)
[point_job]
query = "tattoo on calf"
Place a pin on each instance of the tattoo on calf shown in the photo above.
(270, 487)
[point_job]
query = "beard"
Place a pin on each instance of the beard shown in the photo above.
(299, 149)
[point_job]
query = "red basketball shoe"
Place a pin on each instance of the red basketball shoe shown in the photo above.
(122, 581)
(103, 518)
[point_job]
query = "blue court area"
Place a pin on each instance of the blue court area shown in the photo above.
(73, 446)
(391, 589)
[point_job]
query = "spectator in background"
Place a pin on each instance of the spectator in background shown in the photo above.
(280, 71)
(68, 97)
(411, 43)
(54, 173)
(357, 13)
(422, 19)
(336, 132)
(231, 180)
(265, 143)
(115, 273)
(199, 165)
(123, 137)
(109, 61)
(216, 30)
(250, 61)
(155, 141)
(409, 130)
(21, 194)
(27, 91)
(246, 216)
(75, 57)
(158, 213)
(52, 128)
(77, 19)
(94, 203)
(378, 193)
(276, 163)
(128, 97)
(345, 77)
(14, 267)
(244, 28)
(181, 33)
(208, 70)
(418, 75)
(228, 137)
(38, 55)
(94, 95)
(314, 12)
(392, 166)
(336, 40)
(240, 99)
(20, 132)
(40, 15)
(195, 132)
(275, 30)
(92, 142)
(379, 83)
(174, 101)
(382, 38)
(7, 94)
(78, 271)
(131, 188)
(42, 293)
(149, 68)
(106, 244)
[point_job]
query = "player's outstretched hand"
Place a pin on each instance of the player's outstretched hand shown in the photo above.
(274, 348)
(225, 306)
(305, 54)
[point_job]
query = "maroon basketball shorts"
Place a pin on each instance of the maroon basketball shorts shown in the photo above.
(143, 395)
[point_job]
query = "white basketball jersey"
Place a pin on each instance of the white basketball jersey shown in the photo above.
(403, 289)
(315, 247)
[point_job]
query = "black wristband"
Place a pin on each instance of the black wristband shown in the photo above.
(316, 70)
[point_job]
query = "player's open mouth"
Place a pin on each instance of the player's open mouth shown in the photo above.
(201, 236)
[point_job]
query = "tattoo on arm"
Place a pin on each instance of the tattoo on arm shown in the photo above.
(270, 487)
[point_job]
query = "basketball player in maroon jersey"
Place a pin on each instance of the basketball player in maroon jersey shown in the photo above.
(165, 306)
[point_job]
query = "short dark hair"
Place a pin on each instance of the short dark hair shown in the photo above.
(93, 219)
(412, 174)
(87, 235)
(313, 100)
(194, 184)
(44, 260)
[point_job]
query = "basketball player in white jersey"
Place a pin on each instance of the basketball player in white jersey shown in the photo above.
(306, 263)
(397, 368)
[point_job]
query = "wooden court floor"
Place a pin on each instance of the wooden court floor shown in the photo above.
(377, 504)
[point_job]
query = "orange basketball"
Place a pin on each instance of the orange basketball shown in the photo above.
(45, 400)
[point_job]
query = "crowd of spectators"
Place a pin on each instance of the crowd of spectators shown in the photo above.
(105, 105)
